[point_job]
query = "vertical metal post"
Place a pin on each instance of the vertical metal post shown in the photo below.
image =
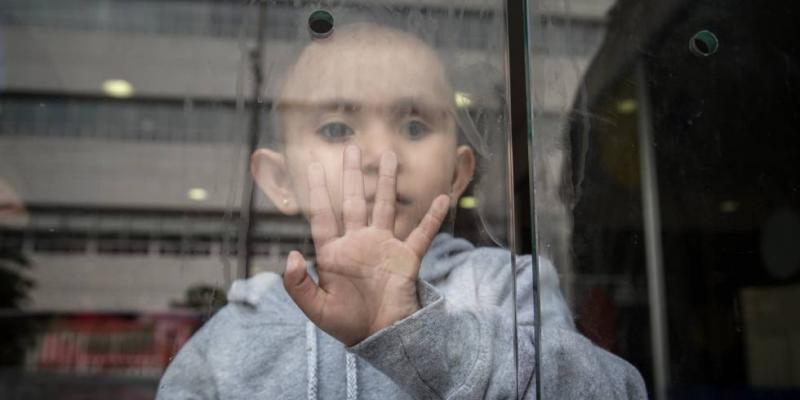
(248, 194)
(522, 228)
(659, 339)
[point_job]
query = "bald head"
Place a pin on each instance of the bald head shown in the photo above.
(383, 91)
(365, 63)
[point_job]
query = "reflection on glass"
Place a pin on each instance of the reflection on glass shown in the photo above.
(124, 144)
(678, 147)
(120, 154)
(366, 143)
(134, 135)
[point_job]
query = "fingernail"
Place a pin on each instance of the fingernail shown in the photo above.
(294, 259)
(389, 159)
(443, 202)
(352, 151)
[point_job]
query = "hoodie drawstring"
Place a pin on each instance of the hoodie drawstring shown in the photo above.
(352, 376)
(311, 362)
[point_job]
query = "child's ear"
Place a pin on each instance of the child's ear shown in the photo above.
(272, 176)
(463, 174)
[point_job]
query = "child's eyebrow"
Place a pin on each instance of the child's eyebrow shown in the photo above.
(401, 107)
(416, 106)
(335, 105)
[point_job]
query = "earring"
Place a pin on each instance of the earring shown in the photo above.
(285, 202)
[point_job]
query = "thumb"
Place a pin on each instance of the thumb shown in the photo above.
(309, 297)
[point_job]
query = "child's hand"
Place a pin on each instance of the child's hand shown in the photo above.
(367, 277)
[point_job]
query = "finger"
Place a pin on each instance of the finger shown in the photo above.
(320, 214)
(421, 237)
(354, 206)
(309, 297)
(383, 212)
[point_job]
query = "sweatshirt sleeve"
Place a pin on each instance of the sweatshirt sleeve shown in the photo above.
(443, 353)
(574, 368)
(449, 351)
(189, 374)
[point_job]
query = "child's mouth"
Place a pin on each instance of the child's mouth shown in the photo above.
(399, 200)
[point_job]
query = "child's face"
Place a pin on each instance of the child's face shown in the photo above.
(382, 96)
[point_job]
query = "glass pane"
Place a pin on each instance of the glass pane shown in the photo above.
(667, 186)
(165, 164)
(122, 167)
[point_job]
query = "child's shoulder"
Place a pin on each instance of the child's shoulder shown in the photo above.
(259, 300)
(450, 254)
(454, 263)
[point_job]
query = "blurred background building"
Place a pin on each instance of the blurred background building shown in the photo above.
(124, 135)
(664, 151)
(123, 128)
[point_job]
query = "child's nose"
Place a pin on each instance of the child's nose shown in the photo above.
(373, 145)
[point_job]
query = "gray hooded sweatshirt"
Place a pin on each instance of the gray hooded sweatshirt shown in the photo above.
(459, 345)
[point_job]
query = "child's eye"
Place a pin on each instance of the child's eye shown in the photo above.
(335, 131)
(416, 129)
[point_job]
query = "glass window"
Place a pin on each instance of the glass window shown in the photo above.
(663, 146)
(363, 199)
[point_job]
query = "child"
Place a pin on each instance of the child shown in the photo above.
(369, 153)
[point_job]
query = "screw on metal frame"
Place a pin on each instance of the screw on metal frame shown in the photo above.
(704, 43)
(320, 24)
